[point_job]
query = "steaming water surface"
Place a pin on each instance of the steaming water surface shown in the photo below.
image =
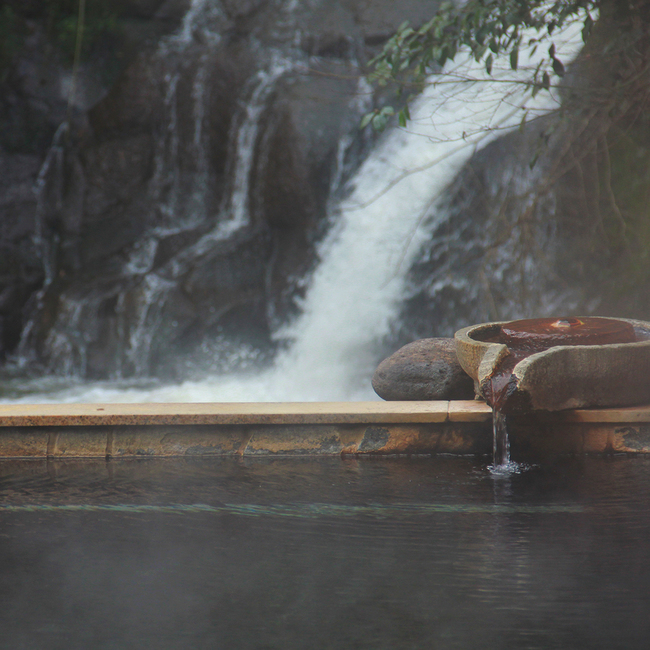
(400, 553)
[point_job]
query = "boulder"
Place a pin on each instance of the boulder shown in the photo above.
(423, 370)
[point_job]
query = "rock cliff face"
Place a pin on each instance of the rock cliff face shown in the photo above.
(567, 235)
(163, 204)
(175, 194)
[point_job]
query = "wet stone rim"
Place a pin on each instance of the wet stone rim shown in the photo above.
(566, 376)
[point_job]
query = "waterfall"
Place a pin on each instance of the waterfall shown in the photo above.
(330, 350)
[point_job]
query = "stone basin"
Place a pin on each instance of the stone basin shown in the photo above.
(561, 376)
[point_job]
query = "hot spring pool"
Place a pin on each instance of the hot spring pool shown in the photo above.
(324, 553)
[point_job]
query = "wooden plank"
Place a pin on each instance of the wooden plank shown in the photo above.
(241, 413)
(626, 414)
(469, 411)
(262, 413)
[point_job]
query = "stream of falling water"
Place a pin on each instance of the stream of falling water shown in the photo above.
(355, 292)
(502, 464)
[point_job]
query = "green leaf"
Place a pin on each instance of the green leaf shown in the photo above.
(586, 30)
(488, 64)
(452, 50)
(367, 118)
(380, 121)
(514, 59)
(427, 26)
(558, 67)
(402, 118)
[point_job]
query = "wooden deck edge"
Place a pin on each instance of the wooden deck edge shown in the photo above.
(239, 413)
(277, 413)
(307, 429)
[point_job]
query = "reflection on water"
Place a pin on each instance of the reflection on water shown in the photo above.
(297, 553)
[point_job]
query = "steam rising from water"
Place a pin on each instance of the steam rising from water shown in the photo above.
(355, 292)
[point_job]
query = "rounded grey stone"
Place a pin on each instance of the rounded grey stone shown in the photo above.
(427, 369)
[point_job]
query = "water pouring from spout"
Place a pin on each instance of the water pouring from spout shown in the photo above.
(552, 364)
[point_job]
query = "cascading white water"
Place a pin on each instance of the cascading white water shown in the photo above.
(202, 18)
(263, 81)
(233, 214)
(355, 292)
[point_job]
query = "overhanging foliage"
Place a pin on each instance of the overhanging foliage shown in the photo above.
(488, 29)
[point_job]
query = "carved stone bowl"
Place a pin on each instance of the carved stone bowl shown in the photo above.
(562, 376)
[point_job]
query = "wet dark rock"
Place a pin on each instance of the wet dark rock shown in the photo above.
(21, 272)
(293, 183)
(426, 369)
(378, 19)
(118, 235)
